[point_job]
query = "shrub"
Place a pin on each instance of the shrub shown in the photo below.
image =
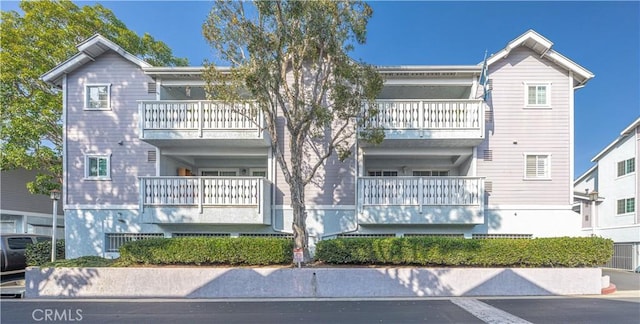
(208, 250)
(89, 261)
(40, 253)
(444, 251)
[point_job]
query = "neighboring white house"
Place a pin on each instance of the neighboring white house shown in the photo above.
(146, 154)
(608, 195)
(22, 211)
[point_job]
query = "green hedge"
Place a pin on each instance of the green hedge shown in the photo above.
(208, 250)
(40, 253)
(444, 251)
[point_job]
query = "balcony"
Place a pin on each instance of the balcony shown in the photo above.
(170, 122)
(420, 200)
(205, 200)
(443, 120)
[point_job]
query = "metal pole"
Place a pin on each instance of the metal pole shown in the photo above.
(54, 230)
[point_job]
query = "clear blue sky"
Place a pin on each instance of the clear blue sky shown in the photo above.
(603, 37)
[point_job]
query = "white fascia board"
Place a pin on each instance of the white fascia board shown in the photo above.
(570, 65)
(551, 54)
(54, 75)
(585, 174)
(623, 135)
(631, 127)
(429, 68)
(97, 40)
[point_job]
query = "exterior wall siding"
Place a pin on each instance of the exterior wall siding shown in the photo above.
(333, 184)
(16, 196)
(98, 132)
(515, 131)
(613, 188)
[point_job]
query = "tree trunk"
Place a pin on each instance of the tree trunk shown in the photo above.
(300, 234)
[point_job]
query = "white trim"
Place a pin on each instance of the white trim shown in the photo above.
(623, 135)
(548, 165)
(617, 227)
(99, 45)
(317, 207)
(65, 173)
(548, 53)
(571, 136)
(101, 207)
(584, 175)
(236, 170)
(547, 86)
(87, 156)
(529, 207)
(28, 214)
(86, 95)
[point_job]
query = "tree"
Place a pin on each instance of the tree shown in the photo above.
(32, 44)
(292, 58)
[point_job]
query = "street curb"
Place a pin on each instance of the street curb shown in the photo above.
(609, 290)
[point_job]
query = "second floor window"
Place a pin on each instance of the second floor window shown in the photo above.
(626, 167)
(97, 167)
(429, 173)
(538, 95)
(626, 206)
(97, 97)
(383, 173)
(537, 167)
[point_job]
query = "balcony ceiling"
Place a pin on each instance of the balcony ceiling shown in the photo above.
(425, 92)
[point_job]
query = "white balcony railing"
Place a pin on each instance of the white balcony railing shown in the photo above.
(202, 192)
(199, 115)
(428, 115)
(421, 191)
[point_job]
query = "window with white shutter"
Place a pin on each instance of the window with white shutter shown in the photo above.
(537, 166)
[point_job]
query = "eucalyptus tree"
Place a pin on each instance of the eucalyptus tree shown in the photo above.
(34, 41)
(291, 59)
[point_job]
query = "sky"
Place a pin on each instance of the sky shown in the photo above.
(603, 37)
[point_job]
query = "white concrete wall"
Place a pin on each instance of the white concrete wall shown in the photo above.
(540, 221)
(307, 282)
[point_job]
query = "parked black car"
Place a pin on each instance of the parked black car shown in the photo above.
(12, 248)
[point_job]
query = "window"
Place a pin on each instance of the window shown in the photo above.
(97, 97)
(219, 173)
(626, 167)
(537, 167)
(19, 243)
(626, 206)
(383, 173)
(428, 173)
(538, 95)
(98, 167)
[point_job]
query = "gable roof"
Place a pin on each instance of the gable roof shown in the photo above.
(88, 50)
(542, 46)
(626, 132)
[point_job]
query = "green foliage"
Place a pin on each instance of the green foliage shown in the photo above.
(442, 251)
(45, 35)
(39, 253)
(81, 262)
(291, 58)
(207, 251)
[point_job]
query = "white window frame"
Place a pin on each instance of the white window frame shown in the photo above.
(236, 170)
(625, 201)
(547, 85)
(626, 163)
(431, 173)
(252, 170)
(86, 96)
(87, 171)
(547, 175)
(382, 173)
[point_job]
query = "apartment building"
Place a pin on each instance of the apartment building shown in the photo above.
(607, 195)
(146, 155)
